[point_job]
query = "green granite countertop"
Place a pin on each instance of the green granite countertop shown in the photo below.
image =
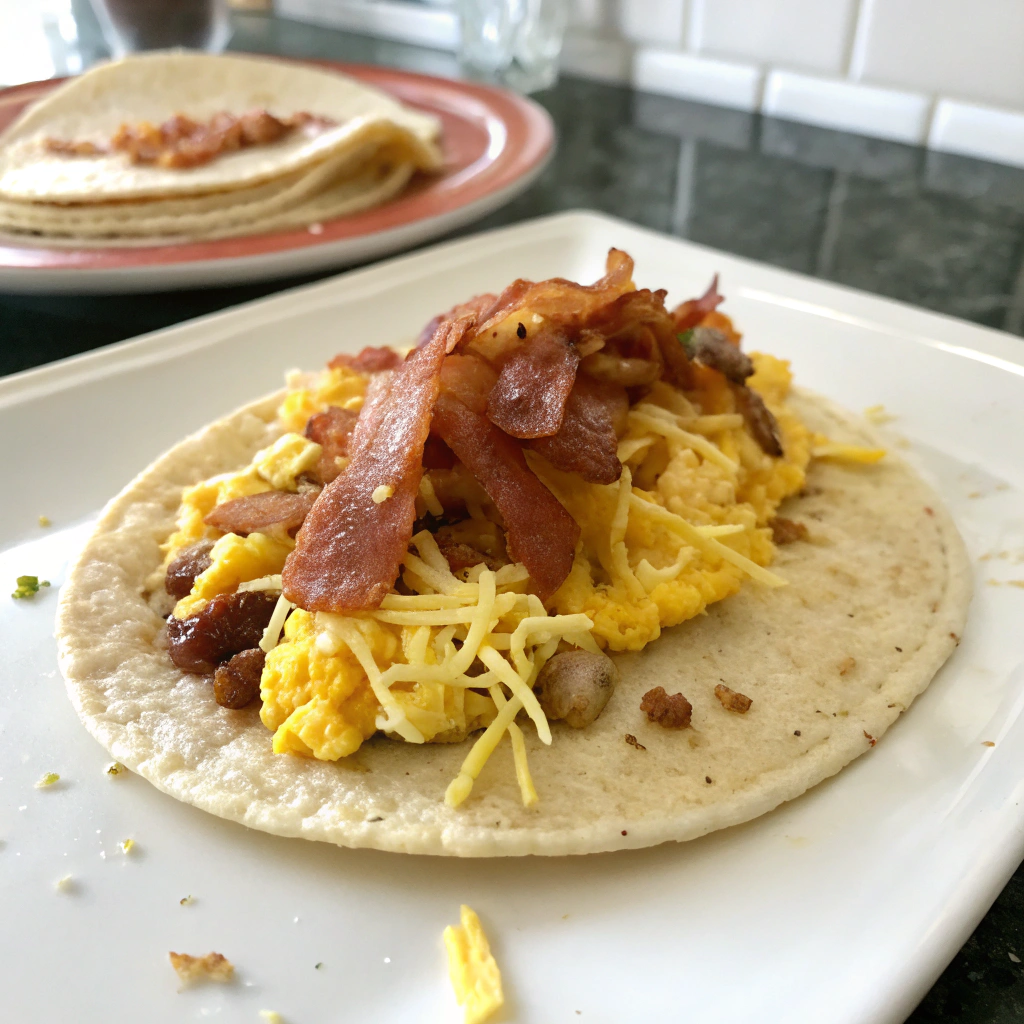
(938, 231)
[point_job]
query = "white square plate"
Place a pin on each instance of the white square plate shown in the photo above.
(842, 906)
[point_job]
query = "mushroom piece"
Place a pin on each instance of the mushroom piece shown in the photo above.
(575, 686)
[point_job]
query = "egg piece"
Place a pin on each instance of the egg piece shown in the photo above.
(473, 971)
(288, 457)
(341, 386)
(234, 560)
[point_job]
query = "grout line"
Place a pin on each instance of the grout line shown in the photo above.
(826, 257)
(933, 106)
(1014, 322)
(858, 52)
(685, 184)
(693, 35)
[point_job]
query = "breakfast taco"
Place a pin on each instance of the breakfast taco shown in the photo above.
(571, 516)
(194, 145)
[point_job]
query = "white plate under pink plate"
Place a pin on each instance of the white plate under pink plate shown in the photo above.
(842, 906)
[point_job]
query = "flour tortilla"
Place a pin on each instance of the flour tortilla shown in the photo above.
(152, 87)
(354, 175)
(375, 184)
(884, 581)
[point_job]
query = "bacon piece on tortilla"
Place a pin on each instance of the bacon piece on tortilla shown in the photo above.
(258, 513)
(587, 442)
(690, 313)
(533, 386)
(540, 533)
(372, 359)
(566, 302)
(332, 430)
(349, 549)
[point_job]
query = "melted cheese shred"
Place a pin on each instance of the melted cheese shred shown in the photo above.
(508, 633)
(473, 971)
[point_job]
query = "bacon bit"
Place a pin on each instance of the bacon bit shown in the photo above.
(759, 418)
(181, 142)
(262, 513)
(634, 742)
(528, 399)
(929, 511)
(565, 302)
(332, 430)
(787, 531)
(540, 533)
(587, 442)
(212, 967)
(436, 454)
(470, 379)
(871, 739)
(692, 312)
(372, 359)
(846, 665)
(731, 700)
(670, 712)
(349, 549)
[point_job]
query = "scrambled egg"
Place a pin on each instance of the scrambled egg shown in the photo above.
(473, 971)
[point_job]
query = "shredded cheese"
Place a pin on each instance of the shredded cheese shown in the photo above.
(709, 545)
(826, 449)
(382, 493)
(272, 634)
(474, 974)
(642, 417)
(272, 582)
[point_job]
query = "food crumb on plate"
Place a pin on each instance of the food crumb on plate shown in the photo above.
(65, 884)
(1014, 957)
(272, 1016)
(28, 586)
(115, 768)
(474, 974)
(45, 521)
(49, 779)
(187, 901)
(212, 967)
(128, 845)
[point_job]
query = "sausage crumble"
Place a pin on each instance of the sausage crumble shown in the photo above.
(670, 711)
(732, 701)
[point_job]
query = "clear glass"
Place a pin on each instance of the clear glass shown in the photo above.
(133, 25)
(513, 42)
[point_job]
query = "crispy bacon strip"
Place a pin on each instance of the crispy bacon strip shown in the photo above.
(372, 359)
(540, 533)
(690, 313)
(587, 442)
(349, 549)
(257, 513)
(332, 430)
(529, 397)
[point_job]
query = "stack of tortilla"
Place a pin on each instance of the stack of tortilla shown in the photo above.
(366, 157)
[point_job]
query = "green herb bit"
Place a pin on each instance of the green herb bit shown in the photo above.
(686, 340)
(28, 585)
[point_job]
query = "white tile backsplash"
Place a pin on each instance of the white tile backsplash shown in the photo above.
(946, 72)
(658, 22)
(974, 130)
(812, 35)
(848, 106)
(971, 50)
(722, 82)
